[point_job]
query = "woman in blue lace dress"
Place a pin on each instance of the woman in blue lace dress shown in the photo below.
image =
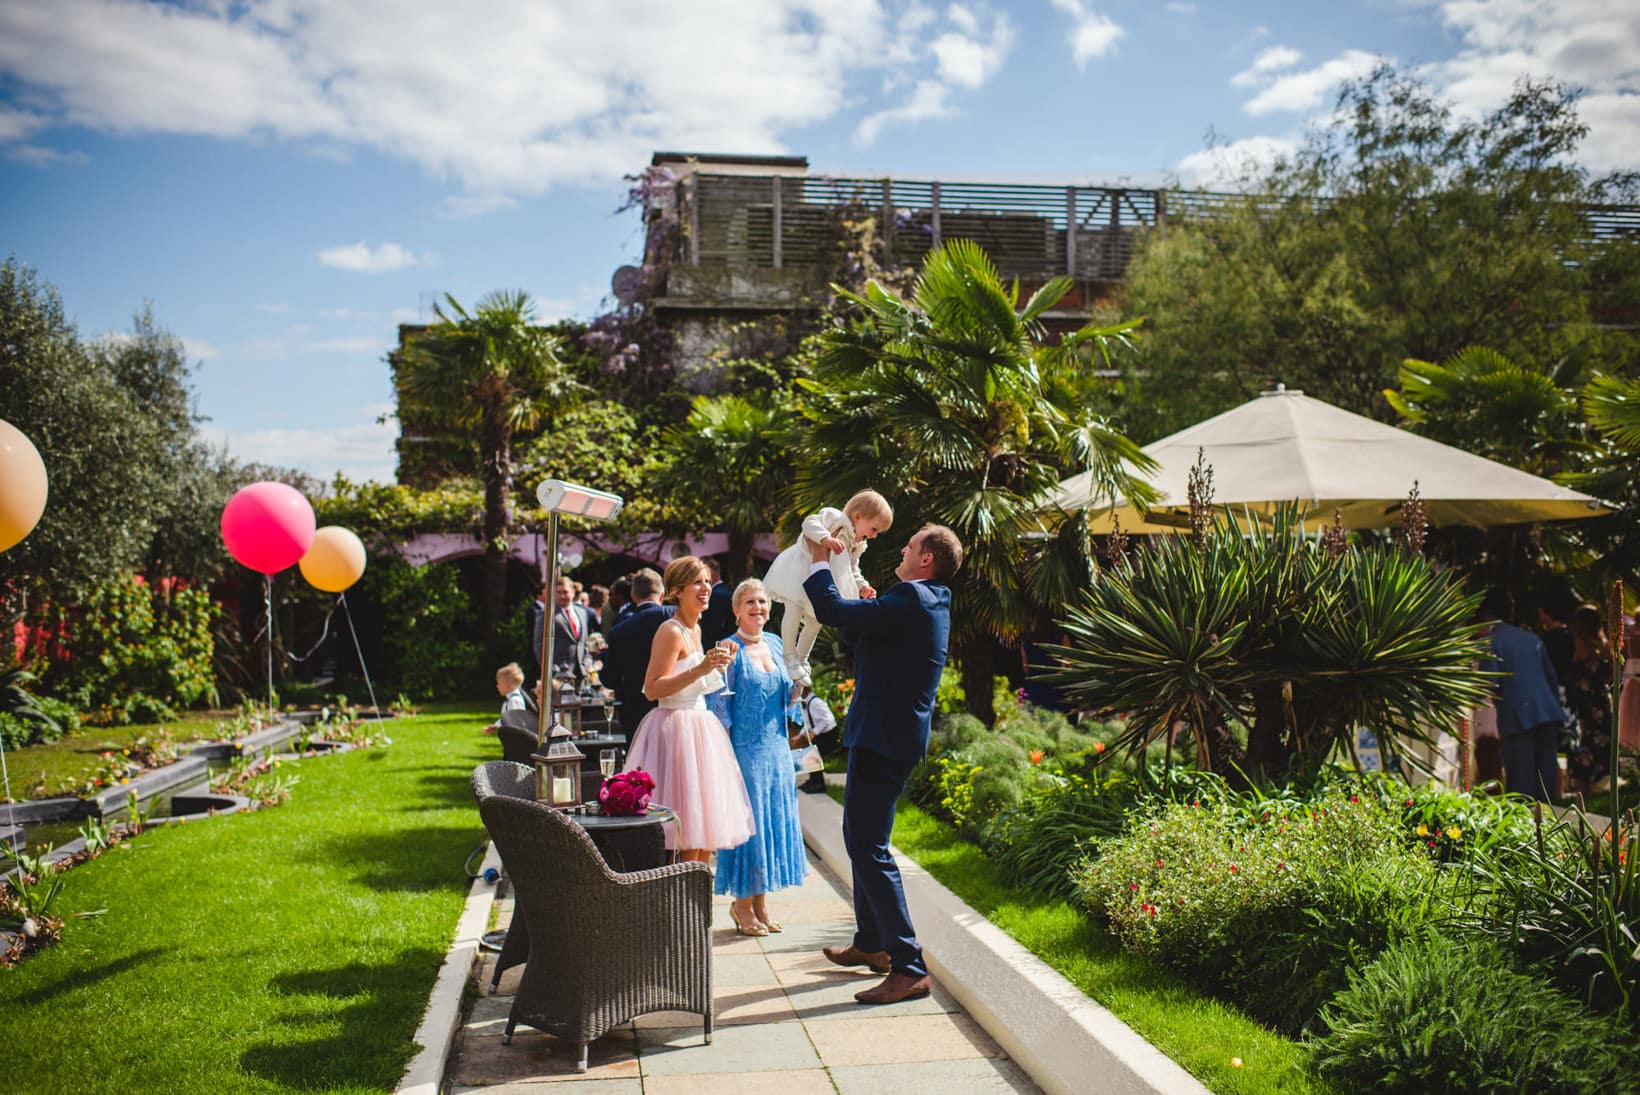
(763, 699)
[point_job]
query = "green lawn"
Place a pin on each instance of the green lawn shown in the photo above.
(289, 949)
(66, 759)
(1202, 1034)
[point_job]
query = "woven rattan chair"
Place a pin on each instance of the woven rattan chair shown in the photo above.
(515, 780)
(638, 942)
(517, 742)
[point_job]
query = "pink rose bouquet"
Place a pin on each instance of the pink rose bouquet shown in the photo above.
(626, 794)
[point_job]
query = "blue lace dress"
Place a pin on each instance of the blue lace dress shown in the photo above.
(756, 716)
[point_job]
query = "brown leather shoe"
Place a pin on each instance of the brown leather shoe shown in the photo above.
(853, 956)
(895, 987)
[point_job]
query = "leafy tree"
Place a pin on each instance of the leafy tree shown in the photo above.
(943, 403)
(494, 371)
(107, 434)
(1400, 231)
(727, 457)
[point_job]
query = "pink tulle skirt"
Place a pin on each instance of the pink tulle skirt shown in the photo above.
(695, 772)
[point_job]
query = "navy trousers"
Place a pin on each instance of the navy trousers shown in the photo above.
(1531, 761)
(881, 920)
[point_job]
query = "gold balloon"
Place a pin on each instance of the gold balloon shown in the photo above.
(22, 486)
(335, 561)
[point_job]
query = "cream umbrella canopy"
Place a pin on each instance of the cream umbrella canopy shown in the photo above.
(1286, 447)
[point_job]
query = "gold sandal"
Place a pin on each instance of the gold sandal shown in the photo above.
(755, 929)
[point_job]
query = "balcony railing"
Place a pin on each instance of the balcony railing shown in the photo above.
(1030, 231)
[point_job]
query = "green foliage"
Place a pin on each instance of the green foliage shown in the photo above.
(1266, 633)
(941, 400)
(429, 651)
(1566, 900)
(138, 652)
(725, 456)
(1267, 904)
(30, 719)
(1401, 230)
(1433, 1015)
(381, 512)
(1040, 844)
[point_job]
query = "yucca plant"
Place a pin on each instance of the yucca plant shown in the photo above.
(1264, 634)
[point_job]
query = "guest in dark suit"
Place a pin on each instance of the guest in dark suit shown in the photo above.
(718, 621)
(899, 643)
(1530, 715)
(630, 640)
(532, 626)
(571, 624)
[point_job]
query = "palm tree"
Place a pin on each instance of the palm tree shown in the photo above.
(946, 403)
(726, 455)
(494, 371)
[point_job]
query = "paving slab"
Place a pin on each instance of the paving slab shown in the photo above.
(786, 1021)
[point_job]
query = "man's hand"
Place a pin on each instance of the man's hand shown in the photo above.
(818, 552)
(867, 593)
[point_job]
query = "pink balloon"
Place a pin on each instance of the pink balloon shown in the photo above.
(267, 526)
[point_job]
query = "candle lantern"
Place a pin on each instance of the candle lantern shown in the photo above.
(558, 770)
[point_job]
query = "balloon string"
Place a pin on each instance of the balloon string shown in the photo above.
(341, 598)
(304, 657)
(267, 601)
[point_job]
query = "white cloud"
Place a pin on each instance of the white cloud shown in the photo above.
(1268, 61)
(197, 349)
(362, 258)
(40, 156)
(507, 98)
(363, 344)
(928, 100)
(1226, 166)
(1593, 45)
(1179, 7)
(18, 124)
(1304, 90)
(362, 450)
(1093, 34)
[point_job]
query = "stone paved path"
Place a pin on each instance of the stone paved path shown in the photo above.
(787, 1024)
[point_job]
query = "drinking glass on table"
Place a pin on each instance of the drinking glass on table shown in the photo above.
(606, 762)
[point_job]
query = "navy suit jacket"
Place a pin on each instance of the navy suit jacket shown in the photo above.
(1529, 694)
(627, 659)
(898, 654)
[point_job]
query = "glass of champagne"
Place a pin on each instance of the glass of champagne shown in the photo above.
(606, 762)
(732, 648)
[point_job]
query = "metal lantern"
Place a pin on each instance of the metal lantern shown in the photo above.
(558, 770)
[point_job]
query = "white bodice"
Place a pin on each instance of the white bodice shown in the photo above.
(692, 697)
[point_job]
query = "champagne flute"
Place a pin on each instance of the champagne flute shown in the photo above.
(732, 648)
(606, 763)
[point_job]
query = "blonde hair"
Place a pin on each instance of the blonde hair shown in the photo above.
(746, 589)
(510, 675)
(679, 573)
(871, 505)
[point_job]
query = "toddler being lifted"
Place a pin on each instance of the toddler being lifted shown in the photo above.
(844, 533)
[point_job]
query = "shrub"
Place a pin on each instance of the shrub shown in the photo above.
(1265, 903)
(1040, 843)
(1432, 1015)
(429, 618)
(138, 651)
(1566, 901)
(17, 731)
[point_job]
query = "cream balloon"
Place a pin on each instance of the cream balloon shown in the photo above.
(22, 486)
(335, 560)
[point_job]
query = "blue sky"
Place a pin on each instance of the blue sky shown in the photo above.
(287, 180)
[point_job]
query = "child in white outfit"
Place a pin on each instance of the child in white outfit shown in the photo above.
(844, 533)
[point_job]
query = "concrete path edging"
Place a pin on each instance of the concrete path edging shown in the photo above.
(437, 1033)
(1052, 1030)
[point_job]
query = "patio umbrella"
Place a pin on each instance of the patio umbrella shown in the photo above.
(1286, 447)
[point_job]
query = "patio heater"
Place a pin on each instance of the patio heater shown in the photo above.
(560, 498)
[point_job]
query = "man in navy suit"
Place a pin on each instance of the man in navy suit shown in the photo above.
(899, 643)
(627, 659)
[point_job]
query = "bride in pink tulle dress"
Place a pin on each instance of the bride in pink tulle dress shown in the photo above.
(682, 744)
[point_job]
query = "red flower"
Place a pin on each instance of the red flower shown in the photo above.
(1037, 755)
(1354, 798)
(1232, 868)
(1158, 863)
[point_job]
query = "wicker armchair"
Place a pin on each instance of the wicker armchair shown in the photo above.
(504, 777)
(517, 742)
(642, 941)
